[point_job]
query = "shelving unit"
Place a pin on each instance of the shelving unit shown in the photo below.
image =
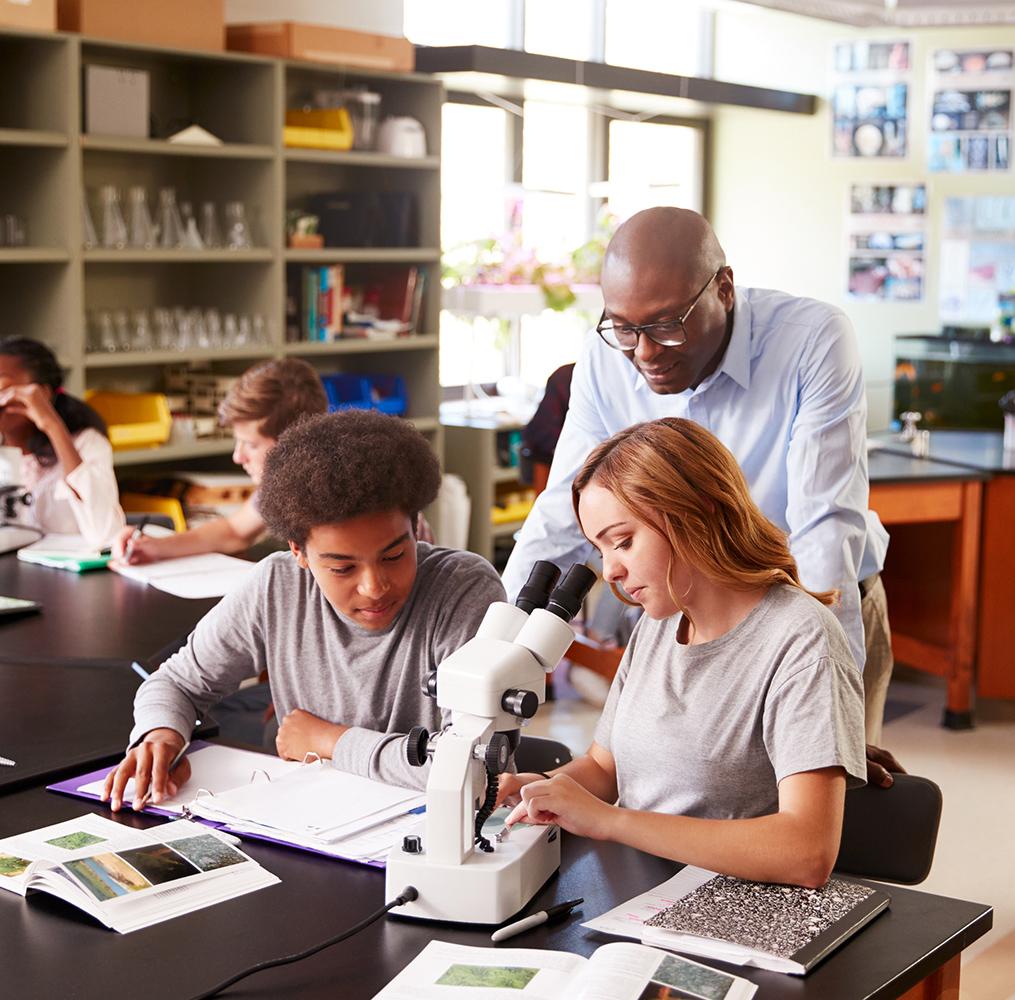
(471, 453)
(47, 164)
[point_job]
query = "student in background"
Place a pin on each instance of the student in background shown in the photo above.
(736, 720)
(67, 459)
(266, 400)
(347, 623)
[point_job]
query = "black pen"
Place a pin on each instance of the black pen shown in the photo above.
(535, 919)
(138, 532)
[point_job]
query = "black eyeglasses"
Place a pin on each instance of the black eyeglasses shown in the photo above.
(668, 333)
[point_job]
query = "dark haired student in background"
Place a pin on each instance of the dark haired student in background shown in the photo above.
(67, 460)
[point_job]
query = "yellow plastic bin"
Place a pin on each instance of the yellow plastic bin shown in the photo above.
(134, 419)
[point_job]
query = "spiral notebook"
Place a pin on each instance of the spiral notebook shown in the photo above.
(310, 806)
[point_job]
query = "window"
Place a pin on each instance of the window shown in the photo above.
(458, 22)
(660, 35)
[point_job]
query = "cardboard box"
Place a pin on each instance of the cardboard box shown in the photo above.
(182, 24)
(33, 15)
(116, 101)
(319, 43)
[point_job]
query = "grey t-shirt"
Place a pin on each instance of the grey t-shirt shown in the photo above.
(710, 730)
(322, 662)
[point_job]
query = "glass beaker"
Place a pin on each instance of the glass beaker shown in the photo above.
(211, 234)
(237, 229)
(364, 107)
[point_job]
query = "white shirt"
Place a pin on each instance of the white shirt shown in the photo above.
(85, 502)
(788, 400)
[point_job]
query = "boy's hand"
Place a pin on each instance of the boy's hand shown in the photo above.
(880, 765)
(148, 764)
(563, 801)
(301, 733)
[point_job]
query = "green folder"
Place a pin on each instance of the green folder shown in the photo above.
(76, 564)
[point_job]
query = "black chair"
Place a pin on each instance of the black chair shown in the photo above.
(536, 753)
(162, 520)
(889, 834)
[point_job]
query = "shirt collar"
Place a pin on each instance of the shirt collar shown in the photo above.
(736, 362)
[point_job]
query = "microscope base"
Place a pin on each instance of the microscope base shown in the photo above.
(14, 537)
(487, 888)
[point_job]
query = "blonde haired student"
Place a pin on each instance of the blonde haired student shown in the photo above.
(265, 400)
(67, 459)
(735, 723)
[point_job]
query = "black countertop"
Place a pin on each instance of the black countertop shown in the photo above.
(979, 450)
(886, 467)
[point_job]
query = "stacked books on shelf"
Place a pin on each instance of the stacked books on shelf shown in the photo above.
(330, 302)
(125, 878)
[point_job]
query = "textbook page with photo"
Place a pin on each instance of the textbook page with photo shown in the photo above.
(614, 972)
(127, 878)
(314, 806)
(778, 927)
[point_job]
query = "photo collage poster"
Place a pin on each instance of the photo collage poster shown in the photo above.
(887, 235)
(977, 259)
(970, 123)
(870, 99)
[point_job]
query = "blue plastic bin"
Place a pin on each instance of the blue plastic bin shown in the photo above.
(366, 392)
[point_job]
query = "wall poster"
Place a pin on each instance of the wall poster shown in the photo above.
(970, 119)
(870, 97)
(887, 242)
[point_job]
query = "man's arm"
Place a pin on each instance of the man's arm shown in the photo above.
(828, 489)
(551, 530)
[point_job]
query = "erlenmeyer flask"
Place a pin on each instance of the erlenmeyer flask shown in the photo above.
(211, 234)
(170, 223)
(142, 229)
(114, 229)
(191, 237)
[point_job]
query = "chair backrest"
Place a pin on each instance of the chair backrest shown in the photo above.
(537, 753)
(162, 520)
(602, 660)
(890, 834)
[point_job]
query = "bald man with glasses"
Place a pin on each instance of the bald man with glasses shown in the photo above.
(775, 377)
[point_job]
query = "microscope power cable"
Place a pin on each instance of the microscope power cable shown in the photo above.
(407, 895)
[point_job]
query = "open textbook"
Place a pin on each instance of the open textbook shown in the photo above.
(614, 972)
(127, 878)
(312, 806)
(778, 927)
(212, 575)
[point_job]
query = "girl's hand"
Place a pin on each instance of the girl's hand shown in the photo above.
(32, 401)
(563, 801)
(510, 785)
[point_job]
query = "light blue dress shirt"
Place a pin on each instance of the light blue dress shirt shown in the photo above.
(788, 401)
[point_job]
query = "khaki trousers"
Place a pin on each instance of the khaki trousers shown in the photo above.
(877, 671)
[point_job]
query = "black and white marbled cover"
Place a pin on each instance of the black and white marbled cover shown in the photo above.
(780, 920)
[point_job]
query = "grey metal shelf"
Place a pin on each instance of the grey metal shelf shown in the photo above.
(137, 359)
(353, 158)
(162, 147)
(103, 256)
(365, 255)
(174, 452)
(366, 345)
(33, 255)
(32, 137)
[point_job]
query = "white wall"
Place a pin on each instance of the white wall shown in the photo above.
(780, 199)
(383, 17)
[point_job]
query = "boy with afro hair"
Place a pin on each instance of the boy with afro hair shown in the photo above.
(347, 623)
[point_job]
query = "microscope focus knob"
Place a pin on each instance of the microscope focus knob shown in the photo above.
(520, 703)
(416, 744)
(412, 844)
(498, 753)
(430, 684)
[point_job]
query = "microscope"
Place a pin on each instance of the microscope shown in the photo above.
(12, 496)
(493, 686)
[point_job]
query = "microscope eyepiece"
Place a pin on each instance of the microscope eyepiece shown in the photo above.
(536, 592)
(566, 600)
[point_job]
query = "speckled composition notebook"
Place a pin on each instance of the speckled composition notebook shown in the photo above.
(778, 927)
